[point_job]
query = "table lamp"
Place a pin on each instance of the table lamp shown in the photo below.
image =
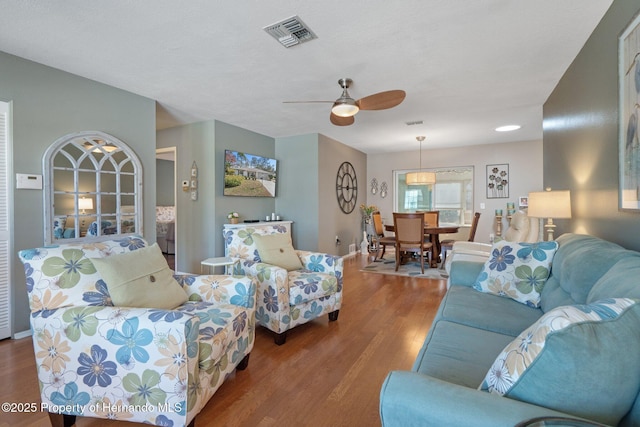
(84, 204)
(550, 204)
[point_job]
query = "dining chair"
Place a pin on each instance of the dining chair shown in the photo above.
(409, 229)
(380, 239)
(432, 218)
(447, 245)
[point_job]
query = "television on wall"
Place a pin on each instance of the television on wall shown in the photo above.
(249, 175)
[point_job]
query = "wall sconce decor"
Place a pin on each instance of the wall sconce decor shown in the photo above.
(374, 186)
(383, 189)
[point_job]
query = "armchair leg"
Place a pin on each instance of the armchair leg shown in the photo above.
(243, 363)
(280, 339)
(333, 316)
(61, 420)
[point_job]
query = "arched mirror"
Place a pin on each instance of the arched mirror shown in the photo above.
(93, 188)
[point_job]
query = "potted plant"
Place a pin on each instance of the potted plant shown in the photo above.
(233, 217)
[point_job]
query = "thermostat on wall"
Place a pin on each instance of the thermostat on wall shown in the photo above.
(32, 182)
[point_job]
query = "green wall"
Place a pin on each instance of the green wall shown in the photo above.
(47, 104)
(580, 145)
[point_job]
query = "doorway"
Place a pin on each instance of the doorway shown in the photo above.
(166, 209)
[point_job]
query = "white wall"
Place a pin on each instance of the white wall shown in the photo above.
(525, 173)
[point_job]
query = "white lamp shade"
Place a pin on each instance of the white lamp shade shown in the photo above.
(421, 178)
(85, 203)
(550, 204)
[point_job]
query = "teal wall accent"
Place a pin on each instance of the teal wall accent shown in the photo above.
(298, 199)
(47, 104)
(309, 167)
(164, 182)
(580, 145)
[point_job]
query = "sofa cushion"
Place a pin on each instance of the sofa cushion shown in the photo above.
(469, 307)
(621, 281)
(580, 359)
(578, 264)
(459, 354)
(517, 270)
(277, 249)
(141, 278)
(59, 224)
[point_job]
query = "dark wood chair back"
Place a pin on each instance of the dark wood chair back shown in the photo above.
(474, 226)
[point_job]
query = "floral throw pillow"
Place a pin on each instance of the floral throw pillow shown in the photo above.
(517, 270)
(571, 354)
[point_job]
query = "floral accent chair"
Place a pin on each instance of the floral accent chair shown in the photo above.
(286, 298)
(153, 366)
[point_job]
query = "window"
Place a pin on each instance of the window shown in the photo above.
(93, 187)
(452, 194)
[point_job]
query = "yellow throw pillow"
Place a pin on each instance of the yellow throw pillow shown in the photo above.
(277, 249)
(140, 278)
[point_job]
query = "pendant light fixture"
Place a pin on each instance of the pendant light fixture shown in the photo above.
(422, 177)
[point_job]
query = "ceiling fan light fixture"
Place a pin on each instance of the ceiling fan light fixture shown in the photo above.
(345, 107)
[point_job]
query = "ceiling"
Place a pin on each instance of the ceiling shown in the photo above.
(466, 66)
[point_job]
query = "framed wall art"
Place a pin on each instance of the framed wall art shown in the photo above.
(498, 181)
(629, 100)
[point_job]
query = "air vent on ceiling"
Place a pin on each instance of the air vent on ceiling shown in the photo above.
(290, 32)
(413, 123)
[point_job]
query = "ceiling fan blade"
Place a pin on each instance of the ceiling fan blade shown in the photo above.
(307, 102)
(341, 121)
(382, 100)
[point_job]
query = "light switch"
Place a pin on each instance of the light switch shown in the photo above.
(482, 206)
(26, 181)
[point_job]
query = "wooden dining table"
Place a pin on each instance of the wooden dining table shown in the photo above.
(434, 237)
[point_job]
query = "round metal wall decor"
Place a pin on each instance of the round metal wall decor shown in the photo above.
(346, 187)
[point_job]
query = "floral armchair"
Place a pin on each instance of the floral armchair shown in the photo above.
(153, 366)
(286, 298)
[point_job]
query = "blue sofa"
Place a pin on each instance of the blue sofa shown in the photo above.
(589, 371)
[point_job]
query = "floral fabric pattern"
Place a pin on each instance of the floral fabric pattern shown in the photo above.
(100, 360)
(517, 270)
(286, 299)
(521, 353)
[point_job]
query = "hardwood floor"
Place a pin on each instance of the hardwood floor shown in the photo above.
(326, 374)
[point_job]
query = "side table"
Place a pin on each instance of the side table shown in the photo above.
(212, 263)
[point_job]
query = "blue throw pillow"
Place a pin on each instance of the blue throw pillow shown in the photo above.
(517, 270)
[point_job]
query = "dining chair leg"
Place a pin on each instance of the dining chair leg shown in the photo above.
(397, 258)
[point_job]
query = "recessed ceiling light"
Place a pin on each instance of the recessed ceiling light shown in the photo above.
(508, 128)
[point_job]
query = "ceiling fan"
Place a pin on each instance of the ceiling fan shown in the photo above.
(345, 108)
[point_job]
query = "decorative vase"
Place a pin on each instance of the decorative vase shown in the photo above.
(233, 220)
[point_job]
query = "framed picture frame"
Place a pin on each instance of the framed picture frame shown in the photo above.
(629, 109)
(498, 181)
(523, 202)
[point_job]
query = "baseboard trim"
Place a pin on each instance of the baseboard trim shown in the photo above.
(23, 334)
